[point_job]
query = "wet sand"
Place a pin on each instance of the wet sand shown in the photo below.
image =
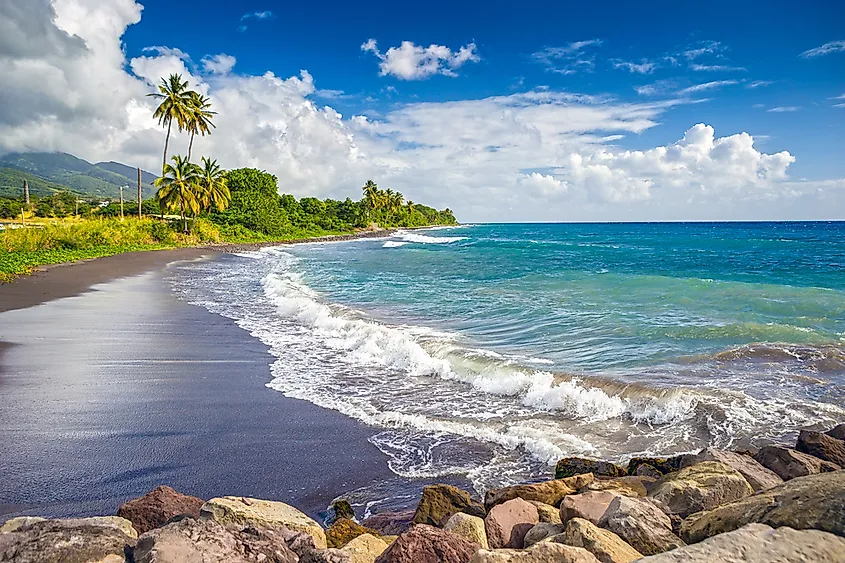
(123, 387)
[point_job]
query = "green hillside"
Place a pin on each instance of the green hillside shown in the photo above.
(78, 175)
(11, 184)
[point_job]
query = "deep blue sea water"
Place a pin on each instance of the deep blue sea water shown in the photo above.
(490, 351)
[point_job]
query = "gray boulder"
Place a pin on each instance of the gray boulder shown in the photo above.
(789, 463)
(542, 531)
(821, 446)
(641, 524)
(66, 541)
(702, 486)
(757, 476)
(837, 432)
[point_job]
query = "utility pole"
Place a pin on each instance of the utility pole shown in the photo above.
(121, 201)
(139, 192)
(26, 192)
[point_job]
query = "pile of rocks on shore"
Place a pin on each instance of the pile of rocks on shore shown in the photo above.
(778, 504)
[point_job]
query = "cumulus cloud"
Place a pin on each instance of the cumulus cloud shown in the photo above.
(218, 64)
(826, 49)
(578, 56)
(535, 155)
(414, 62)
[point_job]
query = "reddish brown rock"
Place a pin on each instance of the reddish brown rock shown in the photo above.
(589, 506)
(427, 544)
(158, 506)
(507, 523)
(837, 432)
(821, 446)
(547, 492)
(789, 463)
(390, 523)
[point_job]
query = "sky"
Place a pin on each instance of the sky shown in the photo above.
(501, 111)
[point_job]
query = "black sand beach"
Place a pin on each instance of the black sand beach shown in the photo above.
(115, 391)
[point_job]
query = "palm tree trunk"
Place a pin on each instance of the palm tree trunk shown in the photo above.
(166, 142)
(190, 146)
(184, 220)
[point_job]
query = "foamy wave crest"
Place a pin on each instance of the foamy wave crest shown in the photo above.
(425, 239)
(394, 244)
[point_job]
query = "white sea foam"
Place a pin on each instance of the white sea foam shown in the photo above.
(394, 244)
(425, 239)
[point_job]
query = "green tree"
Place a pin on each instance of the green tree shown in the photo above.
(175, 105)
(176, 188)
(212, 186)
(198, 118)
(255, 202)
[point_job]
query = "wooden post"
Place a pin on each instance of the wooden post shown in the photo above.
(121, 203)
(139, 192)
(26, 192)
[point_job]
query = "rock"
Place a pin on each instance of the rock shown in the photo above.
(631, 486)
(641, 524)
(547, 512)
(540, 532)
(702, 486)
(330, 555)
(605, 545)
(364, 548)
(837, 432)
(571, 466)
(647, 470)
(759, 543)
(543, 552)
(390, 523)
(427, 544)
(662, 464)
(206, 541)
(340, 509)
(80, 540)
(822, 446)
(812, 501)
(262, 514)
(13, 524)
(469, 527)
(547, 492)
(440, 502)
(590, 505)
(343, 530)
(158, 506)
(757, 476)
(507, 523)
(789, 463)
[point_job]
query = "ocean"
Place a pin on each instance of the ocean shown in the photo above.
(487, 352)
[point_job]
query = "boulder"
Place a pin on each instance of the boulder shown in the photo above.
(540, 532)
(546, 512)
(760, 543)
(340, 509)
(822, 446)
(547, 492)
(469, 527)
(390, 523)
(206, 541)
(427, 544)
(837, 432)
(809, 502)
(343, 530)
(662, 464)
(571, 466)
(632, 486)
(757, 476)
(158, 506)
(647, 470)
(79, 540)
(507, 523)
(590, 505)
(543, 552)
(789, 463)
(364, 548)
(13, 524)
(440, 502)
(605, 545)
(242, 511)
(702, 486)
(641, 524)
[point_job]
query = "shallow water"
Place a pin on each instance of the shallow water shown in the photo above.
(490, 351)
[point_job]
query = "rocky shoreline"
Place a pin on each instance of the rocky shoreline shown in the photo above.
(777, 504)
(249, 246)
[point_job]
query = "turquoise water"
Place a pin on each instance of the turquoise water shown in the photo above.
(490, 351)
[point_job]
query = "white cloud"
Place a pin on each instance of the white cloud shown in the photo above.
(537, 155)
(839, 105)
(644, 67)
(657, 88)
(706, 86)
(258, 15)
(413, 62)
(218, 64)
(783, 109)
(826, 49)
(569, 59)
(717, 68)
(759, 84)
(702, 48)
(842, 97)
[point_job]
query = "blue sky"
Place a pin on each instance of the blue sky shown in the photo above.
(506, 111)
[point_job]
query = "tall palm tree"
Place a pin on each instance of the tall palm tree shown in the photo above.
(199, 118)
(176, 188)
(213, 190)
(175, 106)
(372, 199)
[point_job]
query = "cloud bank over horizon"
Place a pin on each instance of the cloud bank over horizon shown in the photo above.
(534, 155)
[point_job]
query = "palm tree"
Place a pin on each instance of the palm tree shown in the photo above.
(176, 188)
(175, 105)
(198, 118)
(213, 188)
(372, 198)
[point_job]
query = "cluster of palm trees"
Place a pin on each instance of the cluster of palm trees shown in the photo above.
(183, 185)
(383, 202)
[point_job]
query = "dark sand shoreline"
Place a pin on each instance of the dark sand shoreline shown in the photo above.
(125, 387)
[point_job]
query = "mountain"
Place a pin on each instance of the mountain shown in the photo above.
(11, 184)
(77, 175)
